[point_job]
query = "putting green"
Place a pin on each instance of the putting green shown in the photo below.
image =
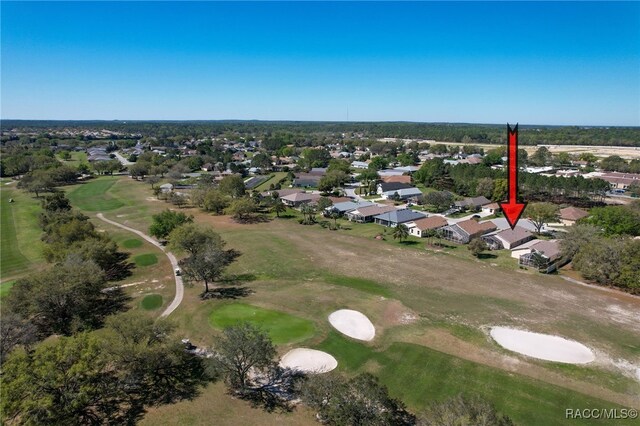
(132, 243)
(151, 302)
(92, 196)
(281, 327)
(146, 259)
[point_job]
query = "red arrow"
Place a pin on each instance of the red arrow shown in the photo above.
(512, 208)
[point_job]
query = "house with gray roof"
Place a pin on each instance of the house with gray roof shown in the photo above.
(396, 217)
(346, 206)
(508, 238)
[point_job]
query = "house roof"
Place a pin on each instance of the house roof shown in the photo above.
(494, 206)
(283, 192)
(336, 200)
(513, 235)
(301, 196)
(550, 248)
(399, 216)
(373, 210)
(393, 186)
(348, 206)
(397, 179)
(403, 192)
(318, 171)
(432, 222)
(572, 213)
(472, 227)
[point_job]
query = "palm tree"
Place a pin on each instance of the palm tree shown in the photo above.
(401, 232)
(335, 215)
(278, 208)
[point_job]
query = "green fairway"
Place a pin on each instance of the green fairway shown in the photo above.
(5, 287)
(362, 284)
(419, 375)
(20, 245)
(92, 196)
(151, 302)
(282, 328)
(146, 259)
(132, 243)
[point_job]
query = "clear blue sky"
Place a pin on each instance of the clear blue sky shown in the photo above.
(533, 63)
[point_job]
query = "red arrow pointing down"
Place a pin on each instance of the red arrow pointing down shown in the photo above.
(512, 208)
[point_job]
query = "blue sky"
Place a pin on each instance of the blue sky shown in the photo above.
(533, 63)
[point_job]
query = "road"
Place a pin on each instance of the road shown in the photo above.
(174, 264)
(122, 160)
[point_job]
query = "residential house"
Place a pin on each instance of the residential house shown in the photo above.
(306, 180)
(299, 198)
(544, 255)
(397, 179)
(208, 167)
(466, 230)
(403, 194)
(570, 215)
(508, 238)
(421, 227)
(318, 171)
(391, 186)
(394, 218)
(360, 165)
(472, 203)
(344, 207)
(619, 180)
(366, 214)
(407, 169)
(282, 192)
(389, 172)
(490, 209)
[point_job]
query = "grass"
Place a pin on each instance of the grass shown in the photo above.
(362, 284)
(281, 327)
(273, 179)
(419, 375)
(132, 243)
(20, 244)
(77, 158)
(92, 196)
(146, 259)
(5, 288)
(151, 302)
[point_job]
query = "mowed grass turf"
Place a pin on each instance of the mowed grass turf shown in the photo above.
(92, 196)
(5, 288)
(146, 259)
(151, 302)
(281, 327)
(132, 243)
(419, 375)
(11, 258)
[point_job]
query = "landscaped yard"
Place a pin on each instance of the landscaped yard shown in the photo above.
(282, 327)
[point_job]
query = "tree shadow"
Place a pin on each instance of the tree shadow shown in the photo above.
(487, 256)
(408, 243)
(276, 391)
(252, 219)
(235, 279)
(227, 293)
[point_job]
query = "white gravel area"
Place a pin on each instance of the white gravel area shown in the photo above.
(308, 361)
(542, 346)
(353, 324)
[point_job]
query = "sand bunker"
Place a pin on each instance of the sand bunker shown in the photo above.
(542, 346)
(353, 324)
(308, 361)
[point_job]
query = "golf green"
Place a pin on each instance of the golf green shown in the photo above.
(132, 243)
(281, 327)
(151, 302)
(146, 259)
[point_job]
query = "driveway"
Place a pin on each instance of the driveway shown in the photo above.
(174, 264)
(122, 160)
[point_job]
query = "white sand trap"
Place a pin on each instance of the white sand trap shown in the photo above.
(353, 323)
(542, 346)
(308, 361)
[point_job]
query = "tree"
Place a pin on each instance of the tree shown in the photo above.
(401, 232)
(629, 276)
(378, 163)
(461, 410)
(600, 260)
(64, 381)
(261, 160)
(308, 214)
(191, 238)
(139, 170)
(331, 180)
(244, 351)
(361, 400)
(278, 207)
(614, 163)
(477, 246)
(15, 331)
(541, 157)
(616, 220)
(67, 298)
(215, 201)
(576, 237)
(37, 182)
(539, 214)
(500, 187)
(153, 181)
(440, 200)
(242, 209)
(485, 187)
(232, 186)
(323, 203)
(339, 165)
(366, 178)
(207, 263)
(165, 222)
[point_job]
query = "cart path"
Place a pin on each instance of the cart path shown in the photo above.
(174, 264)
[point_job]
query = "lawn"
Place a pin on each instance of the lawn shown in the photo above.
(146, 259)
(92, 196)
(273, 179)
(77, 158)
(5, 288)
(281, 327)
(419, 375)
(20, 245)
(151, 302)
(132, 243)
(362, 284)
